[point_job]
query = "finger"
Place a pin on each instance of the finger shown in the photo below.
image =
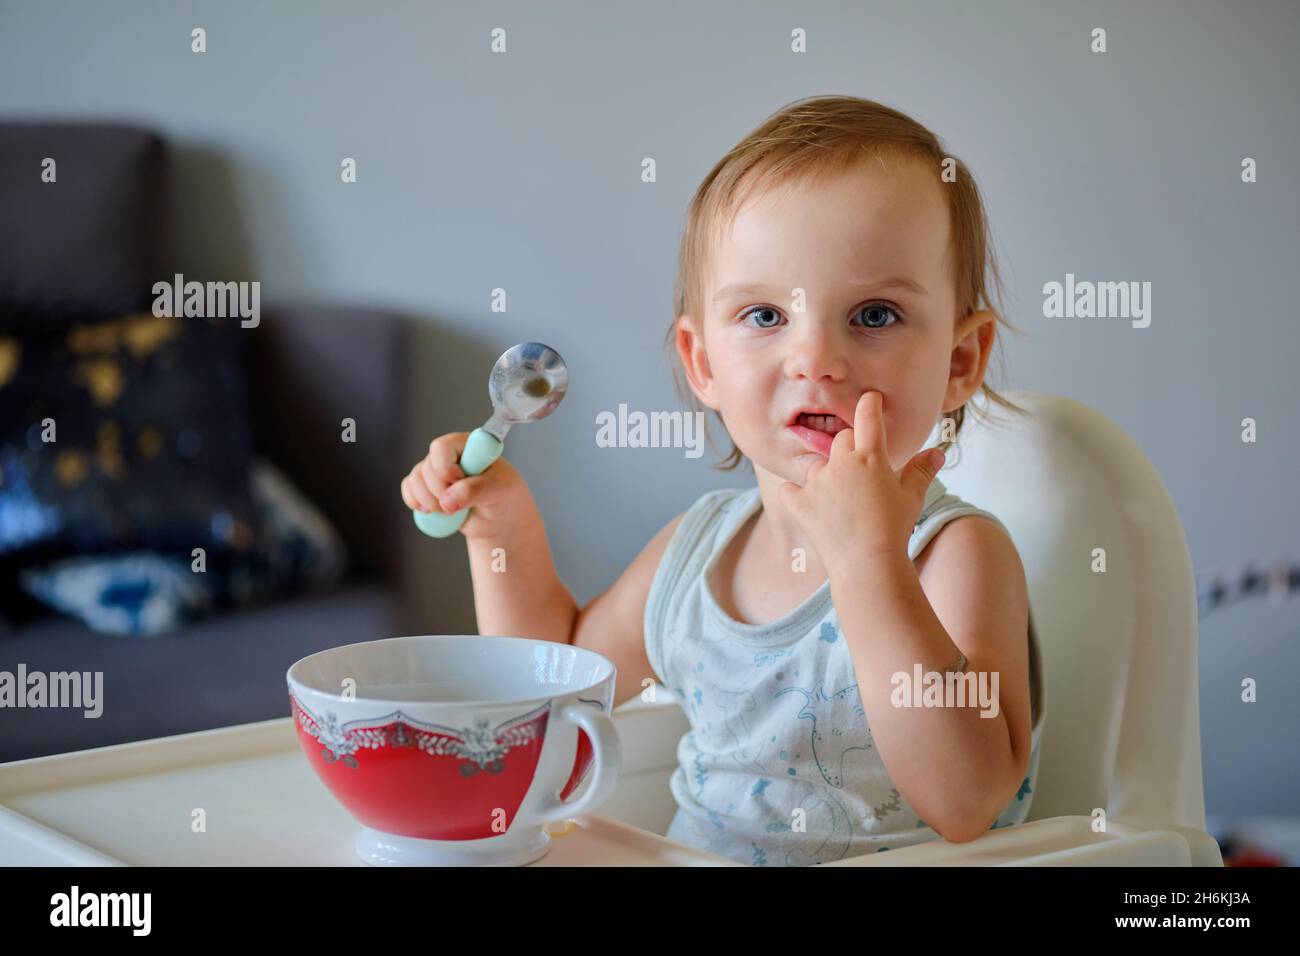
(462, 494)
(869, 424)
(444, 456)
(408, 498)
(842, 442)
(920, 471)
(431, 479)
(421, 492)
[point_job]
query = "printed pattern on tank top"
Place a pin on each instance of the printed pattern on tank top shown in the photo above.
(776, 719)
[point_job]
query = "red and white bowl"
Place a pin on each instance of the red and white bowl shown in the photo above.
(457, 750)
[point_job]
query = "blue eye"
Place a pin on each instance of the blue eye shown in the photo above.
(762, 308)
(877, 316)
(879, 310)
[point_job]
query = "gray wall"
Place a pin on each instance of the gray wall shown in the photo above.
(522, 171)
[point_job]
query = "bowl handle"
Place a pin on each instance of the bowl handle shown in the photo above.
(607, 754)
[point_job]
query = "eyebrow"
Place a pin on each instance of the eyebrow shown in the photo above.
(745, 288)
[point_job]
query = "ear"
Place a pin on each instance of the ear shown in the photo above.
(695, 360)
(972, 347)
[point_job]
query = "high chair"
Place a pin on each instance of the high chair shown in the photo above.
(1119, 777)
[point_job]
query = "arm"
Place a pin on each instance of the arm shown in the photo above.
(527, 599)
(613, 623)
(969, 597)
(517, 592)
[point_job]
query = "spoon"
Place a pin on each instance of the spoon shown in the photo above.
(526, 384)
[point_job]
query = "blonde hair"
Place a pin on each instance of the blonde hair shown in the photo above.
(810, 139)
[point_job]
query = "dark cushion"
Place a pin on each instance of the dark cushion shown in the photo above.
(89, 242)
(154, 594)
(153, 443)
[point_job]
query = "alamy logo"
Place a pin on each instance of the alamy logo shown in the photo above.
(656, 430)
(946, 689)
(1098, 300)
(102, 909)
(57, 689)
(221, 300)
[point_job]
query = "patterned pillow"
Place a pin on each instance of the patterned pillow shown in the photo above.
(147, 594)
(127, 432)
(134, 593)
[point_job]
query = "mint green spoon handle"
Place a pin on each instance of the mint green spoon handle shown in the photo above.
(481, 449)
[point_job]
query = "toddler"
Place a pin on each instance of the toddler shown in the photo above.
(819, 627)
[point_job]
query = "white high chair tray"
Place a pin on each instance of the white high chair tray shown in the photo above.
(132, 804)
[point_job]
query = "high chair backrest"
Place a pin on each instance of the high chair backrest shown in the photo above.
(1122, 718)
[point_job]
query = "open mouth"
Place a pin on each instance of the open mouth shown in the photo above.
(830, 424)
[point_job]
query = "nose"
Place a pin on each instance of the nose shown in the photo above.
(816, 351)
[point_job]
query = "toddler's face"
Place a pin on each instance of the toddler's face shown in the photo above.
(870, 250)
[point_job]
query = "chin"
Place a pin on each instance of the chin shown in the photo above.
(804, 463)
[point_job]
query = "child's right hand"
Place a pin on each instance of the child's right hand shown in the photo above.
(499, 497)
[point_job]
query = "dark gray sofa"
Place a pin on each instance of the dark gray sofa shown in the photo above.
(309, 367)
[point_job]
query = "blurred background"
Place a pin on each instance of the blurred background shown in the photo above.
(522, 171)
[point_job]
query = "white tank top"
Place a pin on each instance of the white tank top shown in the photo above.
(776, 718)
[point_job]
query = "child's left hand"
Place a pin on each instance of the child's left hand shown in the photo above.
(853, 506)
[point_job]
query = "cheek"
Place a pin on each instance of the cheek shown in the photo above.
(745, 409)
(907, 422)
(740, 383)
